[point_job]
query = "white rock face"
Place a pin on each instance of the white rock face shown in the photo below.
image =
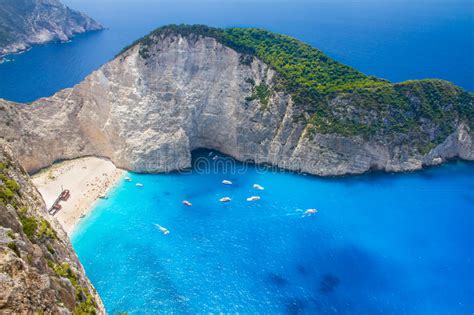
(148, 114)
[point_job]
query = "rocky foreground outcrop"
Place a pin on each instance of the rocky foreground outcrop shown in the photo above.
(29, 22)
(40, 272)
(174, 92)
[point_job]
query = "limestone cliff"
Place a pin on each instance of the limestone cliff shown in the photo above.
(40, 272)
(174, 92)
(24, 23)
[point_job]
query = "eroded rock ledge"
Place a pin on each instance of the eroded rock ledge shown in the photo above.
(147, 113)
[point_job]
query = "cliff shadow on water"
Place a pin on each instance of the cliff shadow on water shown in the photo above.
(207, 161)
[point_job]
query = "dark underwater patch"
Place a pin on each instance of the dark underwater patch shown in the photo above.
(328, 283)
(302, 269)
(277, 280)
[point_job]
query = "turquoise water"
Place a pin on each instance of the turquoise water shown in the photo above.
(393, 39)
(380, 244)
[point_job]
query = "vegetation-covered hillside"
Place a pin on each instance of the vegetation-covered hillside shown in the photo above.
(335, 98)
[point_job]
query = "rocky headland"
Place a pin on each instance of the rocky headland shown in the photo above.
(29, 22)
(254, 95)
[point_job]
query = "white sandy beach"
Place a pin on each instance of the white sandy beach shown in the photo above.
(86, 179)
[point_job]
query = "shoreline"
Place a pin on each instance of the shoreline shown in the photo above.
(28, 46)
(89, 177)
(86, 178)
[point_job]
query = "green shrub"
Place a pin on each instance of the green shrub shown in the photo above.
(86, 304)
(22, 211)
(8, 188)
(84, 301)
(144, 52)
(12, 246)
(6, 195)
(11, 235)
(45, 230)
(9, 183)
(50, 249)
(30, 225)
(261, 92)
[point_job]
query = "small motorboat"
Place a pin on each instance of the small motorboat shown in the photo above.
(162, 229)
(103, 197)
(309, 212)
(215, 157)
(128, 179)
(82, 216)
(225, 199)
(257, 186)
(187, 203)
(226, 182)
(139, 185)
(253, 198)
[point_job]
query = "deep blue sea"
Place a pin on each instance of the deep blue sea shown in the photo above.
(380, 243)
(393, 39)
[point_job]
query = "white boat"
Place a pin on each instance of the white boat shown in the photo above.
(128, 179)
(225, 199)
(309, 212)
(139, 185)
(103, 197)
(187, 203)
(162, 229)
(257, 186)
(215, 157)
(253, 198)
(226, 182)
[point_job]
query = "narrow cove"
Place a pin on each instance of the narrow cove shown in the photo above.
(377, 244)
